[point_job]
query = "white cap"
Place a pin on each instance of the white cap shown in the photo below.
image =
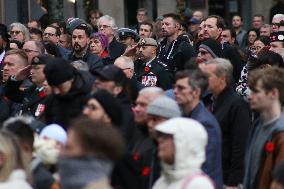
(55, 132)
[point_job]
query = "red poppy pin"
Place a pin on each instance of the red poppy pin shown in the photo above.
(146, 171)
(146, 69)
(269, 147)
(41, 94)
(135, 156)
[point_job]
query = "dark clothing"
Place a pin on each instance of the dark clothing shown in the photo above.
(42, 178)
(259, 160)
(61, 109)
(63, 52)
(234, 117)
(231, 53)
(116, 49)
(175, 55)
(94, 62)
(213, 164)
(5, 105)
(32, 99)
(152, 74)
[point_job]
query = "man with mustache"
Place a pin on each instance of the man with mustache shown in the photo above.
(149, 70)
(80, 42)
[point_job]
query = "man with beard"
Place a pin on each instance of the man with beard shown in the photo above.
(80, 43)
(174, 50)
(149, 70)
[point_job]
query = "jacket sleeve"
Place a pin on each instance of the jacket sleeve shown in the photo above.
(12, 90)
(184, 53)
(241, 125)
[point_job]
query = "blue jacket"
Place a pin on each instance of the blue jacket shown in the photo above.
(213, 164)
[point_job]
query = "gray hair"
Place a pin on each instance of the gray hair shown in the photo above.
(110, 19)
(280, 16)
(23, 29)
(24, 119)
(223, 68)
(265, 26)
(127, 62)
(154, 90)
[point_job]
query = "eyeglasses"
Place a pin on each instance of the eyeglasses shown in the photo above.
(29, 50)
(275, 24)
(15, 32)
(48, 34)
(103, 26)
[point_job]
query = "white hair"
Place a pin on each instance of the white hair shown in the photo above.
(280, 16)
(126, 61)
(110, 19)
(23, 29)
(154, 90)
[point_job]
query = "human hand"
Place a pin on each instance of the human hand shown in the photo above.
(23, 73)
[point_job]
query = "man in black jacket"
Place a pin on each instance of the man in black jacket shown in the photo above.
(80, 44)
(174, 50)
(70, 90)
(233, 115)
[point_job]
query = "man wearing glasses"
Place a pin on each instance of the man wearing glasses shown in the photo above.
(149, 70)
(107, 26)
(275, 23)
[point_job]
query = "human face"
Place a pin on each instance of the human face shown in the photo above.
(35, 37)
(31, 50)
(257, 46)
(275, 24)
(166, 148)
(105, 27)
(100, 83)
(140, 109)
(252, 37)
(259, 99)
(183, 92)
(257, 22)
(226, 37)
(33, 24)
(145, 31)
(276, 45)
(204, 55)
(169, 27)
(11, 65)
(93, 19)
(50, 34)
(237, 22)
(201, 31)
(128, 41)
(141, 16)
(210, 29)
(152, 122)
(80, 40)
(73, 147)
(95, 111)
(215, 83)
(146, 53)
(17, 34)
(63, 41)
(37, 74)
(47, 89)
(264, 31)
(128, 71)
(63, 88)
(96, 46)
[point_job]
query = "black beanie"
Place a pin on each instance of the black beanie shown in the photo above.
(110, 104)
(58, 71)
(213, 47)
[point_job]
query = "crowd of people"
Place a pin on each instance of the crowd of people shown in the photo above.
(176, 103)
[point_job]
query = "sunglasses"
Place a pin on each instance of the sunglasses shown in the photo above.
(15, 32)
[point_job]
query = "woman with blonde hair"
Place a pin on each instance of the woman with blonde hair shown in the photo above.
(12, 166)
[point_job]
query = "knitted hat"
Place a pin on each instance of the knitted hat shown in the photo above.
(55, 132)
(213, 47)
(73, 23)
(164, 107)
(58, 71)
(110, 104)
(101, 37)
